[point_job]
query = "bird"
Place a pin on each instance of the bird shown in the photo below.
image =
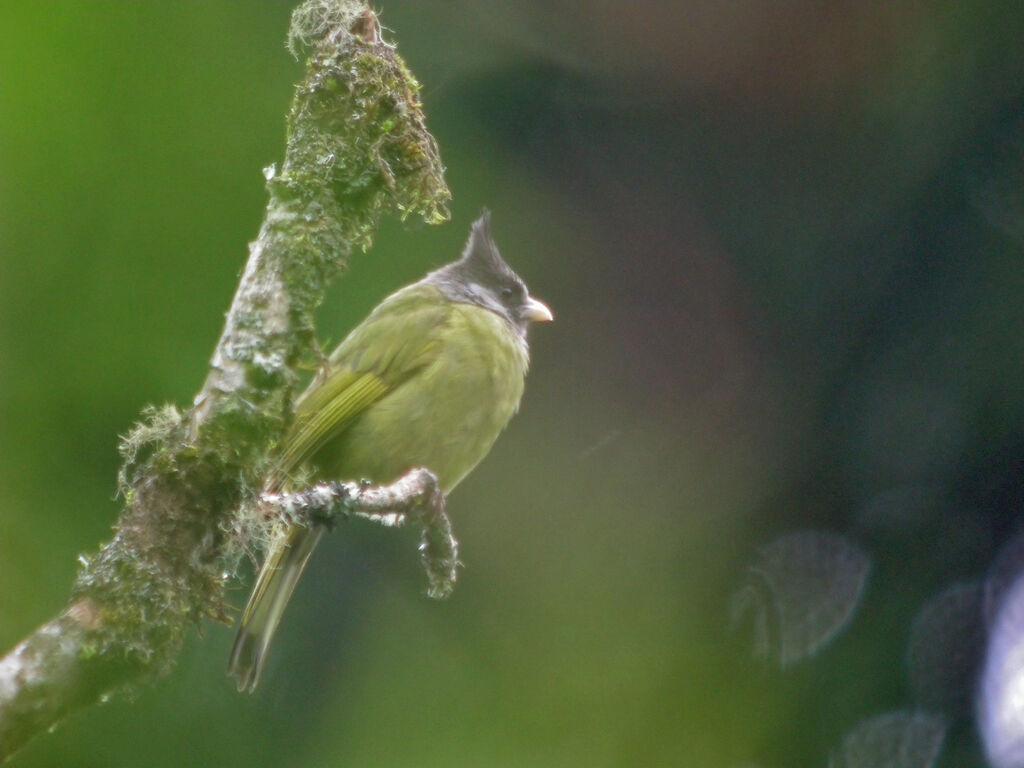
(429, 379)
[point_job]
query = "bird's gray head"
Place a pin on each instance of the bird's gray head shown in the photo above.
(483, 278)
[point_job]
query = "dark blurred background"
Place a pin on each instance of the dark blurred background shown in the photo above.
(759, 506)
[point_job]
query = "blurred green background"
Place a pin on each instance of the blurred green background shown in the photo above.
(783, 247)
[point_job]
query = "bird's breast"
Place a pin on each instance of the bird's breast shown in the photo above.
(447, 414)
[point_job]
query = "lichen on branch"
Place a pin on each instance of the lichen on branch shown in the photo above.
(414, 496)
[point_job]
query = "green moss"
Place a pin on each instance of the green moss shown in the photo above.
(145, 443)
(143, 612)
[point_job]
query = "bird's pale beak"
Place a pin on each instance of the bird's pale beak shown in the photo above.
(536, 311)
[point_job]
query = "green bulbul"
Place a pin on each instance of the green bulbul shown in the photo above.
(428, 379)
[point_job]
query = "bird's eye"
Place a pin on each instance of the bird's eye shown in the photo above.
(515, 291)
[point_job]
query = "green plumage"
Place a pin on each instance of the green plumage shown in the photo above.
(429, 379)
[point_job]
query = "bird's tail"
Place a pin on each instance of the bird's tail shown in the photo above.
(278, 577)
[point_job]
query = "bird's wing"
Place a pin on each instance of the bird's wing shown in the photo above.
(398, 339)
(326, 410)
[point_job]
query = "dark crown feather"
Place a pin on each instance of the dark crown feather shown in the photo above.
(481, 257)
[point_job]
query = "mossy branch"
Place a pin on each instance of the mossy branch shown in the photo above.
(357, 148)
